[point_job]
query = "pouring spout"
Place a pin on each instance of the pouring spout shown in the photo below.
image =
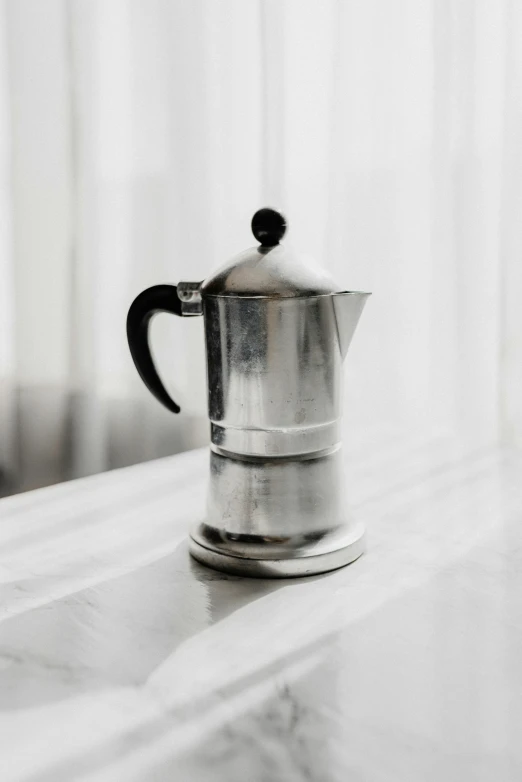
(348, 307)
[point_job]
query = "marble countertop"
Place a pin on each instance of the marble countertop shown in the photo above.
(123, 659)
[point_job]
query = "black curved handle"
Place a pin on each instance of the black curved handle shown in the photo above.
(159, 298)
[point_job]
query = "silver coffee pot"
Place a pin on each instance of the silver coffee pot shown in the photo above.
(277, 330)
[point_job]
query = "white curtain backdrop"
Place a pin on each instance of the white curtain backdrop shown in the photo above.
(137, 138)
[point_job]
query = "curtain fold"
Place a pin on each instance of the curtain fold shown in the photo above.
(138, 138)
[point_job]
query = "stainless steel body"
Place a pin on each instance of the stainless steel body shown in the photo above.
(276, 332)
(274, 375)
(276, 502)
(277, 518)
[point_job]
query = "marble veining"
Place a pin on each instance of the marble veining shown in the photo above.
(123, 659)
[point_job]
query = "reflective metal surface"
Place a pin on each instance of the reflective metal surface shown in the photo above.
(277, 517)
(189, 293)
(275, 372)
(269, 271)
(276, 502)
(298, 442)
(302, 565)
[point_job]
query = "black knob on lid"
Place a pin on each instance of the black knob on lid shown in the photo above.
(268, 226)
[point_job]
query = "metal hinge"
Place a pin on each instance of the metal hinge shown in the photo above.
(189, 294)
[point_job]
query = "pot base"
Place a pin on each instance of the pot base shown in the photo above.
(293, 566)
